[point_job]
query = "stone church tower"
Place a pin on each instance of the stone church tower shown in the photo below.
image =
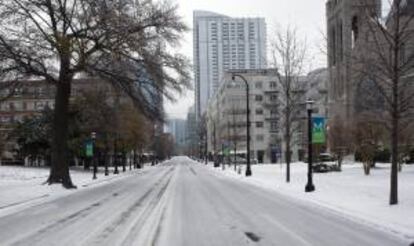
(345, 29)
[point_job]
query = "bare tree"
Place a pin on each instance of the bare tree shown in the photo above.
(369, 136)
(384, 59)
(235, 137)
(121, 41)
(340, 140)
(289, 56)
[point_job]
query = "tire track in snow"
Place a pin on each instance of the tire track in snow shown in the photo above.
(38, 235)
(154, 210)
(145, 202)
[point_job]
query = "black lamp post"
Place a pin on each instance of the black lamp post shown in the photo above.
(205, 149)
(95, 166)
(309, 186)
(115, 156)
(215, 157)
(106, 163)
(248, 168)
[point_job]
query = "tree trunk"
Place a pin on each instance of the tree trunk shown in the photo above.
(340, 159)
(124, 160)
(367, 167)
(394, 162)
(288, 154)
(86, 164)
(59, 171)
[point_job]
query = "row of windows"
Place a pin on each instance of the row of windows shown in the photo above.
(24, 106)
(29, 91)
(12, 119)
(273, 112)
(273, 98)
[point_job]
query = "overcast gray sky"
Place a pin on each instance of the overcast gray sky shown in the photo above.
(307, 15)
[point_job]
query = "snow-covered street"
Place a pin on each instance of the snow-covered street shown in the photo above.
(349, 193)
(181, 202)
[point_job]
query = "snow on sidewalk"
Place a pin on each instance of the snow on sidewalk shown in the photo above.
(22, 187)
(349, 193)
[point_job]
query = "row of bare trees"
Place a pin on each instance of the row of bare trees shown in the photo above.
(383, 62)
(382, 68)
(56, 40)
(120, 130)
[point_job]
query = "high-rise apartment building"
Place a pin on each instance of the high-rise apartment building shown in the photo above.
(222, 43)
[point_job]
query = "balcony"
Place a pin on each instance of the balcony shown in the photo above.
(272, 117)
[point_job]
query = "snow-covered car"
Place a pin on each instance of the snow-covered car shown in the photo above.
(241, 160)
(325, 163)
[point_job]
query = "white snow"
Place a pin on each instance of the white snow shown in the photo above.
(22, 187)
(349, 193)
(179, 203)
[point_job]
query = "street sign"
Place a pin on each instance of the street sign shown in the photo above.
(226, 148)
(318, 130)
(89, 149)
(226, 151)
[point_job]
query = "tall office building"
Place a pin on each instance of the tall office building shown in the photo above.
(222, 43)
(177, 128)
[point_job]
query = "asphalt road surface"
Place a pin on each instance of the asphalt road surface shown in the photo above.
(183, 203)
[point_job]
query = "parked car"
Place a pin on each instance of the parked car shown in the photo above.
(325, 163)
(241, 160)
(12, 162)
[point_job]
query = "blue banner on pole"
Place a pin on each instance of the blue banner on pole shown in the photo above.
(318, 130)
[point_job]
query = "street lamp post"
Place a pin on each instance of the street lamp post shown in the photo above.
(106, 163)
(216, 163)
(309, 186)
(95, 166)
(248, 168)
(115, 156)
(205, 149)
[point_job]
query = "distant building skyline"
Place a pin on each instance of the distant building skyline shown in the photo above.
(177, 128)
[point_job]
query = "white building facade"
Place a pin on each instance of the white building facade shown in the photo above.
(222, 43)
(226, 115)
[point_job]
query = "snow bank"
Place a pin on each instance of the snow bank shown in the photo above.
(22, 187)
(349, 193)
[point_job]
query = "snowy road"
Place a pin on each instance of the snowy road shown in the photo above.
(182, 203)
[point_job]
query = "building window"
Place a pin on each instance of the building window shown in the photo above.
(273, 126)
(259, 111)
(259, 138)
(259, 85)
(333, 47)
(259, 98)
(259, 124)
(355, 30)
(5, 119)
(272, 84)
